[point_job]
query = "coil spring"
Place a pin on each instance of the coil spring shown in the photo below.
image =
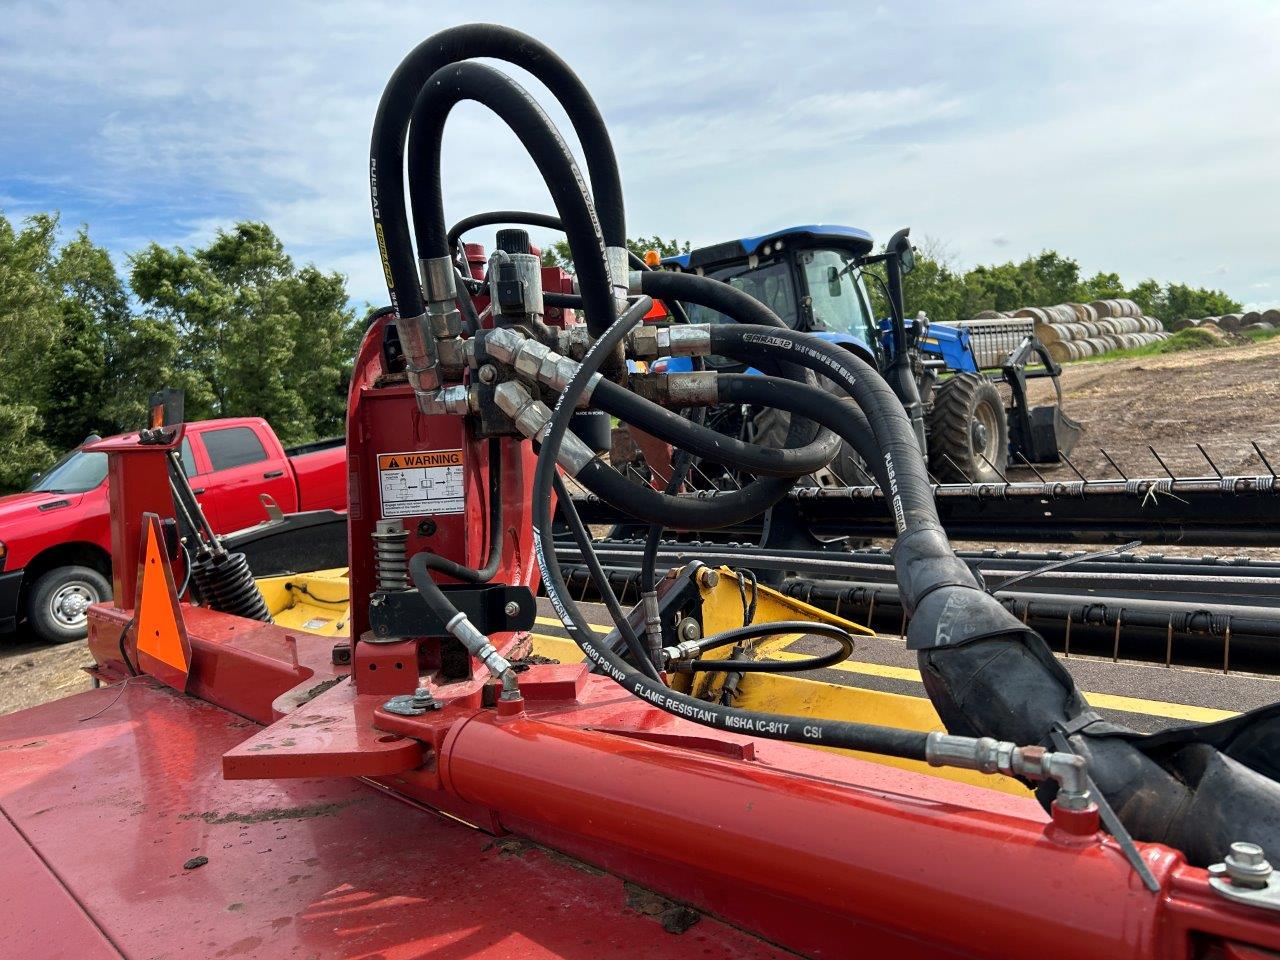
(390, 556)
(226, 584)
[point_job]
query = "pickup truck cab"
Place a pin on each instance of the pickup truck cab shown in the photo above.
(55, 536)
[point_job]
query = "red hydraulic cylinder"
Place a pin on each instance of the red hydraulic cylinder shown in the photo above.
(827, 868)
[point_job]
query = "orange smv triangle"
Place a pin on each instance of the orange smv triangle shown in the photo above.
(163, 649)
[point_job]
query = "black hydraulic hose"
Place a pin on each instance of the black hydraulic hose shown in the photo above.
(760, 630)
(810, 402)
(923, 558)
(474, 81)
(493, 559)
(386, 152)
(710, 445)
(609, 598)
(470, 318)
(832, 733)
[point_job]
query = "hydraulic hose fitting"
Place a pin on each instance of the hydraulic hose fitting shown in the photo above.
(619, 274)
(653, 625)
(680, 340)
(697, 388)
(536, 363)
(478, 646)
(515, 285)
(990, 755)
(421, 361)
(532, 418)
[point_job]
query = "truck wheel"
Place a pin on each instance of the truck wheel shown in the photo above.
(58, 602)
(968, 431)
(769, 429)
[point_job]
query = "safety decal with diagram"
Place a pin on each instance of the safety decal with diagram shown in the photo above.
(420, 483)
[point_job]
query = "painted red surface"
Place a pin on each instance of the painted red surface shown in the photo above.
(100, 815)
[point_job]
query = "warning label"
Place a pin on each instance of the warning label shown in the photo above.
(421, 483)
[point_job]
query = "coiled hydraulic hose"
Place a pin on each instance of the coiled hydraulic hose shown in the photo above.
(474, 81)
(858, 736)
(386, 154)
(757, 631)
(710, 445)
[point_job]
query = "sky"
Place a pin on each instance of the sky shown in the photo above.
(1136, 138)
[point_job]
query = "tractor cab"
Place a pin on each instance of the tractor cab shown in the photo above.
(808, 275)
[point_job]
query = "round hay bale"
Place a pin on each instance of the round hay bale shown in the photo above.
(1259, 327)
(1271, 316)
(1035, 313)
(988, 315)
(1229, 322)
(1062, 351)
(1128, 308)
(1048, 333)
(1250, 318)
(1102, 308)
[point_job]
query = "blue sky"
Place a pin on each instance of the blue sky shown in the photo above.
(1140, 138)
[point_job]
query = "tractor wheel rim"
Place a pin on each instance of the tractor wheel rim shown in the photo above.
(984, 433)
(70, 603)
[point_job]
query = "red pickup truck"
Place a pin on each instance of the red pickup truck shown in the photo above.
(55, 536)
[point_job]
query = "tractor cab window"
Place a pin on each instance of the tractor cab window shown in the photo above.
(770, 284)
(836, 295)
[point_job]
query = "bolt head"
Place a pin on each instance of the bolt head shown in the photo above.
(512, 609)
(709, 578)
(1247, 865)
(688, 629)
(488, 373)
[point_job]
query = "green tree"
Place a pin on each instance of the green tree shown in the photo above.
(254, 335)
(558, 253)
(30, 324)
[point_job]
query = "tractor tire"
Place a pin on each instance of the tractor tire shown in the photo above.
(59, 600)
(968, 431)
(769, 427)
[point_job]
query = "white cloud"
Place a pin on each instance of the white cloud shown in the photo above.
(1079, 128)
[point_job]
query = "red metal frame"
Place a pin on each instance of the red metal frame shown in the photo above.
(827, 854)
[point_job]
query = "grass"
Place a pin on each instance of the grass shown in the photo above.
(1189, 338)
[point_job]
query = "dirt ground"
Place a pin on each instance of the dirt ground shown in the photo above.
(1221, 398)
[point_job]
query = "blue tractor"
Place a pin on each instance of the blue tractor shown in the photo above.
(948, 376)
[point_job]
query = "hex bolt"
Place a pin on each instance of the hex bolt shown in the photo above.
(488, 373)
(688, 629)
(708, 578)
(512, 609)
(1247, 866)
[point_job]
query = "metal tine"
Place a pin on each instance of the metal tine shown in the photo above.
(1213, 466)
(1032, 466)
(1103, 451)
(1083, 478)
(958, 467)
(994, 467)
(1263, 457)
(1160, 461)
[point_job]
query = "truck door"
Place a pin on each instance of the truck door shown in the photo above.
(240, 470)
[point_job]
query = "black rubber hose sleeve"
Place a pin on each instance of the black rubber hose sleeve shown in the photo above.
(474, 81)
(386, 152)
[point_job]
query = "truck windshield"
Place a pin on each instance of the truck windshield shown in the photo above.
(77, 472)
(835, 291)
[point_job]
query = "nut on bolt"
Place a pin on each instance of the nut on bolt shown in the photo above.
(708, 578)
(512, 609)
(1247, 866)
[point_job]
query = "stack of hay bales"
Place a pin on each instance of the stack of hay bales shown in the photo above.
(1236, 322)
(1073, 331)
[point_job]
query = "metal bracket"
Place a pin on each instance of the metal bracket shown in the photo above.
(1267, 898)
(404, 613)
